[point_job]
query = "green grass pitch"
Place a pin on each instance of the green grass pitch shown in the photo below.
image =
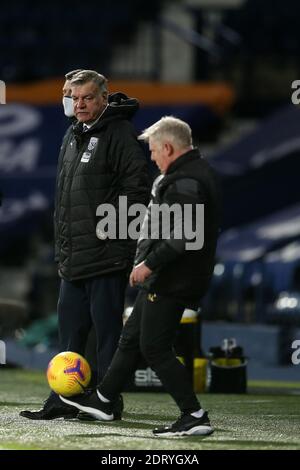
(268, 417)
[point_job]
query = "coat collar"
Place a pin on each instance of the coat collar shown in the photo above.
(189, 156)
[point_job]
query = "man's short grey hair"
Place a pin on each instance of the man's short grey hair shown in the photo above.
(72, 73)
(169, 128)
(85, 76)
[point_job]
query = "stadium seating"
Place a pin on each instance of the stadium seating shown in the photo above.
(50, 38)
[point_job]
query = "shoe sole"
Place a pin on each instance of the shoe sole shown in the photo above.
(97, 414)
(46, 419)
(197, 431)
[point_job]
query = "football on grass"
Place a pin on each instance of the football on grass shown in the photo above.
(68, 373)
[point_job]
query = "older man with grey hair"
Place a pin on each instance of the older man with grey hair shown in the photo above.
(171, 274)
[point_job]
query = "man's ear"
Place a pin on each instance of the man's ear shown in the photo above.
(169, 148)
(105, 96)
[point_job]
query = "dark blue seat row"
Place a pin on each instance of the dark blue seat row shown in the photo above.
(50, 37)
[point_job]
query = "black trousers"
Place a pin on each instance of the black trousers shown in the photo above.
(151, 330)
(97, 301)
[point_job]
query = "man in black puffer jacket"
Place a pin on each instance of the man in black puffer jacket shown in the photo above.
(173, 267)
(100, 160)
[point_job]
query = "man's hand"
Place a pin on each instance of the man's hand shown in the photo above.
(139, 274)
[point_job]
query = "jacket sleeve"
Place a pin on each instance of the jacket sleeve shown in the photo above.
(129, 164)
(183, 191)
(64, 144)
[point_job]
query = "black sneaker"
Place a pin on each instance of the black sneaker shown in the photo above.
(90, 403)
(186, 425)
(117, 409)
(53, 408)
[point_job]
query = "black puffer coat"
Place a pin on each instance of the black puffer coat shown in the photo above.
(178, 271)
(95, 167)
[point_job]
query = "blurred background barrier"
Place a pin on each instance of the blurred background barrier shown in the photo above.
(13, 315)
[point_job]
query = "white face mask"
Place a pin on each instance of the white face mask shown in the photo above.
(68, 106)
